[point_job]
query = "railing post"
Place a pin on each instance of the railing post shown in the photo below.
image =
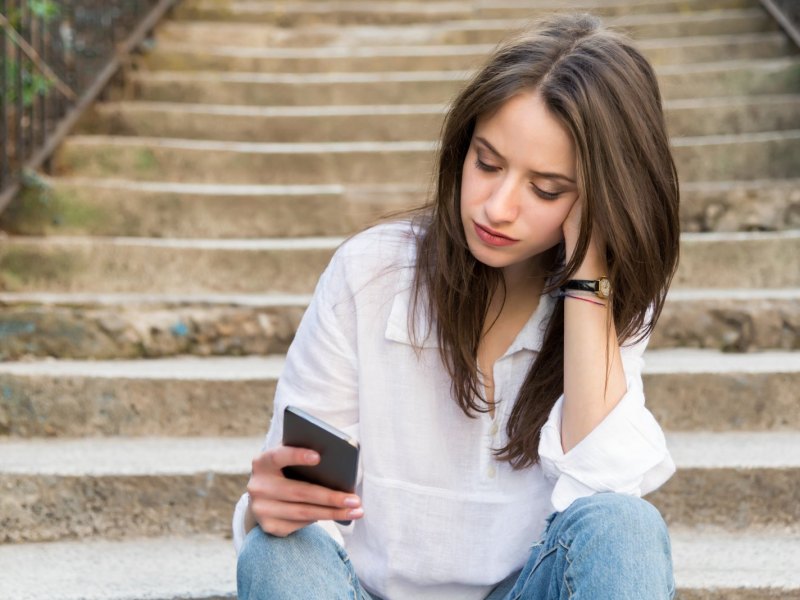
(4, 169)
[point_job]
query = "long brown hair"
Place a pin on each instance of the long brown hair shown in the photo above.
(606, 94)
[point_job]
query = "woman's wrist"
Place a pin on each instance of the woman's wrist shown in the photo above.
(593, 264)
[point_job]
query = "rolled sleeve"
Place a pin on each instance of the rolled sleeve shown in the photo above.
(626, 453)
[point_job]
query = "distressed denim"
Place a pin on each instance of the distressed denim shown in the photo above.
(608, 546)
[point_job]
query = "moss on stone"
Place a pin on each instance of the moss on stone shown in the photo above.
(22, 267)
(145, 161)
(40, 209)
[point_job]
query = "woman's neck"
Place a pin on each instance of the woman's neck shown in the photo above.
(522, 279)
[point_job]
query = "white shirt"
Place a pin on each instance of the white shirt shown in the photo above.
(442, 518)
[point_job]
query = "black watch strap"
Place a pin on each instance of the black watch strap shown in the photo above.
(581, 285)
(601, 286)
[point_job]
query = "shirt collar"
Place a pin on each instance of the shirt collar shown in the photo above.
(530, 337)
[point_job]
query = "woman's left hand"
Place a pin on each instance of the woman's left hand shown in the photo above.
(571, 227)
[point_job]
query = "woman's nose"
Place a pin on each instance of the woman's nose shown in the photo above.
(503, 205)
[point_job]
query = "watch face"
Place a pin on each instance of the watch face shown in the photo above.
(604, 287)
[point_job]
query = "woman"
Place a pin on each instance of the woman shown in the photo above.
(487, 354)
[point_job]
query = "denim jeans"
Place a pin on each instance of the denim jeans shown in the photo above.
(608, 546)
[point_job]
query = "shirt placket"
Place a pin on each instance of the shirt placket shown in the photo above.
(491, 437)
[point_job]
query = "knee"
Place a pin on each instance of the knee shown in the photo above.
(263, 555)
(618, 523)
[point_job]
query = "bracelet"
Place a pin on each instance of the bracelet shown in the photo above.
(584, 299)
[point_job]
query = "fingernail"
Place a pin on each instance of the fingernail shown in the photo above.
(355, 513)
(351, 501)
(312, 457)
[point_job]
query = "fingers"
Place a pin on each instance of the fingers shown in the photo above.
(271, 511)
(285, 456)
(277, 487)
(282, 506)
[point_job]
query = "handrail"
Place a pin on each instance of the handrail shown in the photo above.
(790, 22)
(52, 131)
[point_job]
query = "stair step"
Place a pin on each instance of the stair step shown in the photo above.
(390, 123)
(198, 396)
(107, 265)
(709, 565)
(126, 487)
(730, 78)
(703, 158)
(176, 56)
(115, 326)
(114, 207)
(733, 320)
(362, 12)
(484, 31)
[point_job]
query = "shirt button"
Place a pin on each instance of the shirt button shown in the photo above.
(491, 472)
(494, 428)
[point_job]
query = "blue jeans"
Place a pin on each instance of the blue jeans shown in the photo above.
(607, 546)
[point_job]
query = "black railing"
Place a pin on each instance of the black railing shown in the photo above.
(55, 58)
(787, 14)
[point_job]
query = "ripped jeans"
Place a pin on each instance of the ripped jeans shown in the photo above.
(608, 546)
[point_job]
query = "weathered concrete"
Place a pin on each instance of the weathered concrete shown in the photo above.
(759, 205)
(732, 480)
(351, 12)
(704, 158)
(124, 487)
(732, 78)
(690, 390)
(485, 31)
(707, 116)
(686, 390)
(176, 56)
(116, 326)
(709, 565)
(107, 265)
(81, 206)
(110, 207)
(733, 320)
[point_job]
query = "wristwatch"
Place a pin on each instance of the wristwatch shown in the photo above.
(601, 287)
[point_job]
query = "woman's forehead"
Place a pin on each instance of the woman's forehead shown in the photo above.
(523, 130)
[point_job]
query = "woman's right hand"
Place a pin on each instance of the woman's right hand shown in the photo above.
(282, 506)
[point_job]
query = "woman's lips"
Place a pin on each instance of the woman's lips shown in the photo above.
(491, 237)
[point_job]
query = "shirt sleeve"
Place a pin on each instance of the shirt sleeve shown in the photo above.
(319, 375)
(626, 453)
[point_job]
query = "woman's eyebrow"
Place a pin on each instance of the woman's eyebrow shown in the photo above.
(494, 151)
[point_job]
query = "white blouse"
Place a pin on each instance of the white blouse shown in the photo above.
(442, 518)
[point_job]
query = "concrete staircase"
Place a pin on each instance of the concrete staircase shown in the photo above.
(152, 285)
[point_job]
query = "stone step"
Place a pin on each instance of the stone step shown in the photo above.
(125, 487)
(124, 326)
(108, 265)
(747, 156)
(732, 320)
(731, 78)
(390, 123)
(709, 565)
(114, 207)
(176, 56)
(384, 13)
(191, 396)
(485, 31)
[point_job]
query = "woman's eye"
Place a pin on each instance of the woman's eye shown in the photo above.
(483, 166)
(545, 195)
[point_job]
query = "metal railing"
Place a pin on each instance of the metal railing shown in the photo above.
(787, 14)
(55, 59)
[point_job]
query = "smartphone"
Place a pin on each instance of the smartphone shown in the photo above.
(338, 465)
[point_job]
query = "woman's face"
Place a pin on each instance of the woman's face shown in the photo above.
(517, 183)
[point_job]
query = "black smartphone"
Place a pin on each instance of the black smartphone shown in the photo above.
(338, 465)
